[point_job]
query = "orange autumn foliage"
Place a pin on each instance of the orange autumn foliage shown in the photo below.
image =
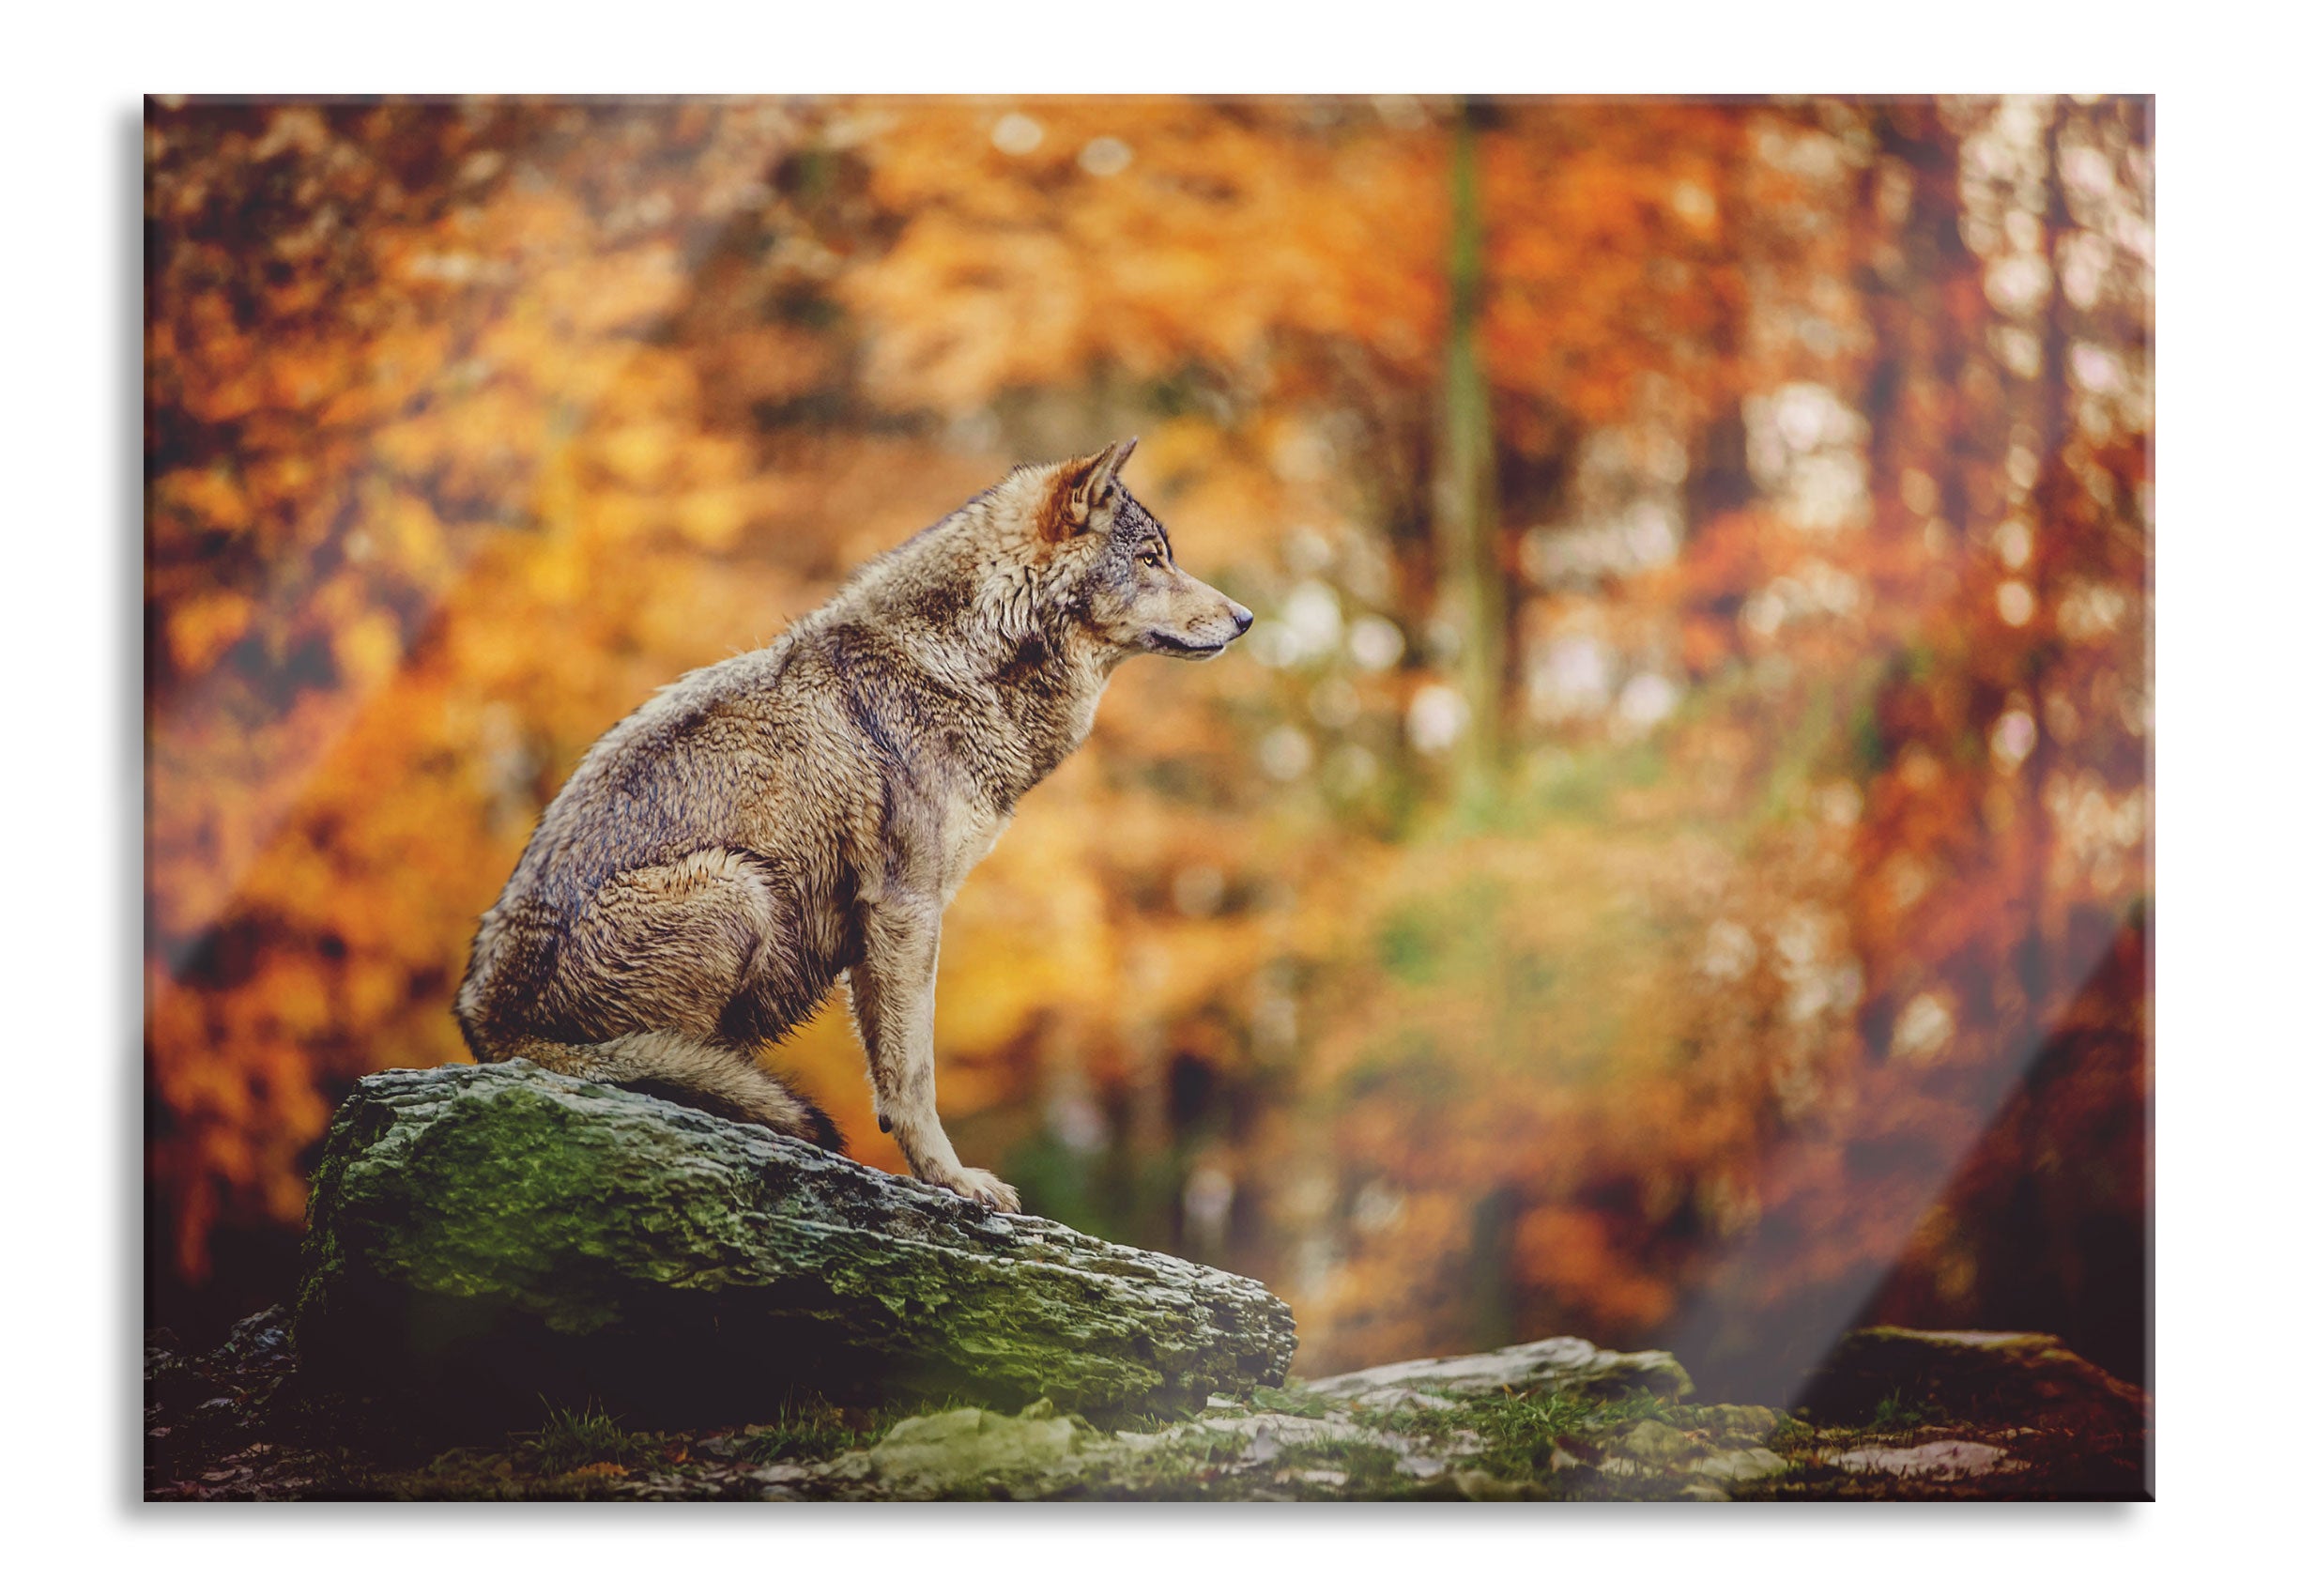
(1823, 545)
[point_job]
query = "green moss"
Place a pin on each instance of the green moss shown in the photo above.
(1897, 1414)
(471, 1198)
(1371, 1469)
(967, 1453)
(1792, 1434)
(1295, 1400)
(1521, 1432)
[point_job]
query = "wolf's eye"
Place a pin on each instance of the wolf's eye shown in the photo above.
(1150, 557)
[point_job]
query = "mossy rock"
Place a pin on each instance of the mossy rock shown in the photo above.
(1970, 1375)
(969, 1453)
(1560, 1364)
(481, 1237)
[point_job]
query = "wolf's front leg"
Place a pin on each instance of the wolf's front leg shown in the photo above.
(891, 987)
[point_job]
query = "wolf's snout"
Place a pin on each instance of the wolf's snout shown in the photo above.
(1241, 618)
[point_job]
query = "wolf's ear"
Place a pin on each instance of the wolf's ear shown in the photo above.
(1085, 485)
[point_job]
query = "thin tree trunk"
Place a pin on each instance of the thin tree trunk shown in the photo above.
(1465, 493)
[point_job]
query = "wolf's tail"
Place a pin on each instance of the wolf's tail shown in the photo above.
(710, 1076)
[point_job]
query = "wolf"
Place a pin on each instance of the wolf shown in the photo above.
(765, 825)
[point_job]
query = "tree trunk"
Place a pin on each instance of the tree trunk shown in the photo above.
(1464, 492)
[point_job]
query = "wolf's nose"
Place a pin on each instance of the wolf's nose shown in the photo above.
(1241, 618)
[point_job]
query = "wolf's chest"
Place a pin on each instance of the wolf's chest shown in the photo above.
(970, 830)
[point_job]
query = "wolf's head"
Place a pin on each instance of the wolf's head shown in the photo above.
(1032, 589)
(1111, 567)
(1055, 567)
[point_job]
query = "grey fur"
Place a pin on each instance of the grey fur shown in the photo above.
(763, 825)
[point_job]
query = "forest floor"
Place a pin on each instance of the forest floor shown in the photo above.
(236, 1424)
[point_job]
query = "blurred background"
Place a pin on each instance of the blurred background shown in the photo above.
(1670, 864)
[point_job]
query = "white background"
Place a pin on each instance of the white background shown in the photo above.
(71, 784)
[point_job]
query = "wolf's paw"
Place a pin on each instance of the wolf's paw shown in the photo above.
(985, 1188)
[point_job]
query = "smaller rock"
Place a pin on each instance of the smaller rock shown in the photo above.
(1733, 1421)
(1656, 1445)
(1561, 1363)
(1275, 1430)
(1389, 1399)
(1972, 1374)
(1936, 1459)
(1742, 1462)
(968, 1449)
(851, 1467)
(1476, 1485)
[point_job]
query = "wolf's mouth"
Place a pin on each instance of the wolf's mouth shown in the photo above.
(1181, 647)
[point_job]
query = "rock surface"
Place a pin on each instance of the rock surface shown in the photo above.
(617, 1298)
(1971, 1374)
(481, 1235)
(233, 1424)
(1562, 1363)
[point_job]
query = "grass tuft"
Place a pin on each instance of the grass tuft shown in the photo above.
(568, 1439)
(1896, 1412)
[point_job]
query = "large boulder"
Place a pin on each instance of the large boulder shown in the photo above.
(481, 1238)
